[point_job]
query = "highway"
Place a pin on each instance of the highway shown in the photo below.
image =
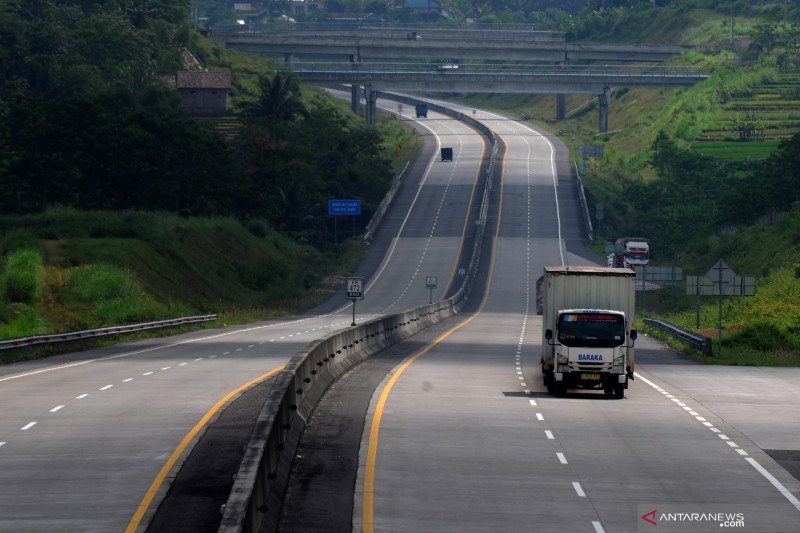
(460, 435)
(88, 439)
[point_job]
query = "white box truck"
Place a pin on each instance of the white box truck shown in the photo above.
(587, 323)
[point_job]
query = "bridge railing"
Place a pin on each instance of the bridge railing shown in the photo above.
(505, 31)
(451, 69)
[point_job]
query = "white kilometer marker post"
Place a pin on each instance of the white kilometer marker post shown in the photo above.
(27, 426)
(56, 408)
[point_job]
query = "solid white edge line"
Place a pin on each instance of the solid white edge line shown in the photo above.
(577, 486)
(598, 527)
(777, 484)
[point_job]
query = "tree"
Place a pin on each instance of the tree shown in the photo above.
(279, 98)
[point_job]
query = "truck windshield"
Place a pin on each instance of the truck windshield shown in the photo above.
(592, 330)
(637, 256)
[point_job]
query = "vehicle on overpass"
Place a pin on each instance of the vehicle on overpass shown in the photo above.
(422, 110)
(587, 327)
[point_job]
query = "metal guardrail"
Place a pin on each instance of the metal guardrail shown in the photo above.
(587, 220)
(701, 342)
(22, 342)
(256, 497)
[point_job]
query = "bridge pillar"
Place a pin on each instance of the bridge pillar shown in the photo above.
(355, 98)
(604, 98)
(372, 97)
(561, 106)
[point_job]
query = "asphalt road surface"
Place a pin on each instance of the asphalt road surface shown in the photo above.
(460, 434)
(87, 439)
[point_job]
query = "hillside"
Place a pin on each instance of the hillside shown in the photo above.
(118, 206)
(708, 172)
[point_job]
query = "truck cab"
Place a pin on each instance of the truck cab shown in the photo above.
(590, 347)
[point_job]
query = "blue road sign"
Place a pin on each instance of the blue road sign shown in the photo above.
(344, 207)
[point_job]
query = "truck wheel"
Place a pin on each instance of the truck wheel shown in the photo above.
(561, 389)
(608, 390)
(619, 391)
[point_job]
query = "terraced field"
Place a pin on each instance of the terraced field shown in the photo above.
(762, 116)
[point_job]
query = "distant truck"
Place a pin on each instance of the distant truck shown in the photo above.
(422, 110)
(447, 154)
(630, 252)
(587, 327)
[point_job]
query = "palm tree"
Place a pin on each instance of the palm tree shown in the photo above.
(279, 99)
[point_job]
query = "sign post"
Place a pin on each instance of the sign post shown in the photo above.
(723, 274)
(430, 282)
(354, 290)
(343, 207)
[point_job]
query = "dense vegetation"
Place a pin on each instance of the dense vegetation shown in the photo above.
(119, 206)
(86, 123)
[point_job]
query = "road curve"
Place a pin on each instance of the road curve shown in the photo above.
(84, 435)
(460, 434)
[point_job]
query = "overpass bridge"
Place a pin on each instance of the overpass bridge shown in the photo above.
(373, 45)
(457, 44)
(495, 79)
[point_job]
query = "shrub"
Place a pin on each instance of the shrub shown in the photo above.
(20, 279)
(113, 295)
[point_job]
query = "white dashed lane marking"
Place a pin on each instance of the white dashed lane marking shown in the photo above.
(183, 364)
(56, 408)
(106, 387)
(2, 444)
(561, 458)
(578, 489)
(27, 426)
(598, 527)
(81, 397)
(127, 380)
(549, 434)
(539, 416)
(147, 373)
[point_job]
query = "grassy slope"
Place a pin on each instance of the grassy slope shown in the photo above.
(153, 265)
(767, 251)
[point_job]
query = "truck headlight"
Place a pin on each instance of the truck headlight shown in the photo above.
(618, 362)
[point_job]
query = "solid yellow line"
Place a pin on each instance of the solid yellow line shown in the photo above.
(162, 474)
(367, 519)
